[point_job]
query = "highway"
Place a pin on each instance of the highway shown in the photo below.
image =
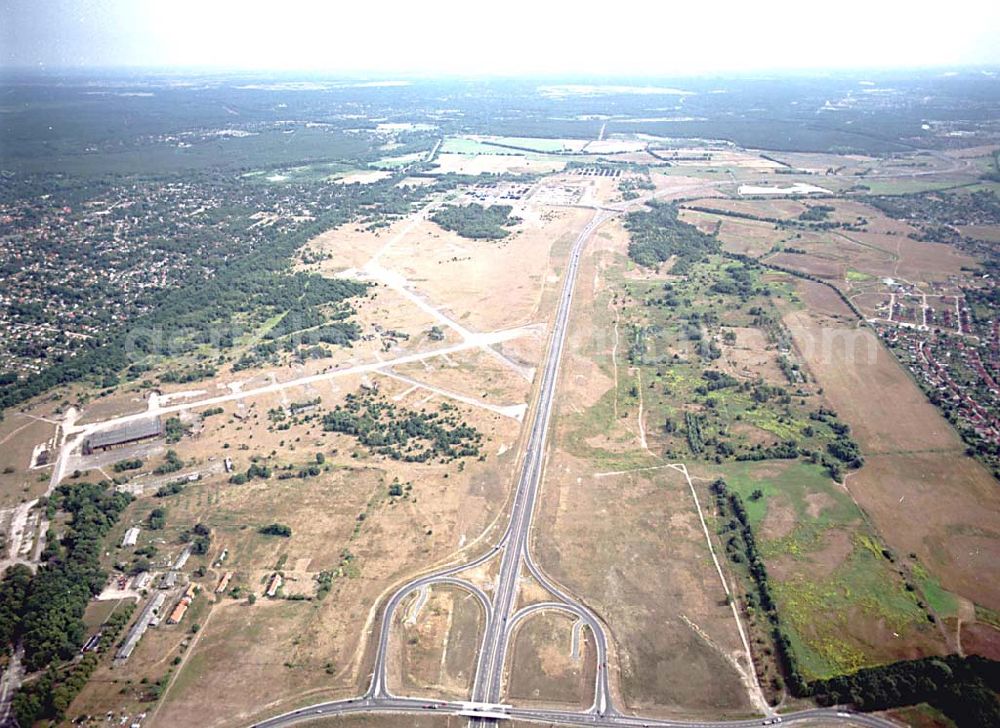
(513, 545)
(416, 706)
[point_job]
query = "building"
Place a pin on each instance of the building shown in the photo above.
(140, 626)
(274, 584)
(133, 432)
(141, 580)
(168, 580)
(223, 582)
(182, 606)
(131, 536)
(182, 559)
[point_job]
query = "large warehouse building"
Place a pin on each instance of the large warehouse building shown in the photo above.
(128, 434)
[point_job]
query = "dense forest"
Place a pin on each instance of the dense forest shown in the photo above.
(46, 611)
(963, 688)
(657, 235)
(476, 221)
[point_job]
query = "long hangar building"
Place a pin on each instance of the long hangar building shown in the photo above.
(128, 434)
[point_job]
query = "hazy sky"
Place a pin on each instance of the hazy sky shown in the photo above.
(507, 37)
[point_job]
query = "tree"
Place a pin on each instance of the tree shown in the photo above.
(157, 519)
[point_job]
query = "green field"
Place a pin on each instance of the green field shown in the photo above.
(906, 186)
(392, 163)
(539, 144)
(823, 596)
(460, 145)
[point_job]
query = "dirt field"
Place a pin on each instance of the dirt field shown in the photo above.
(747, 237)
(343, 521)
(19, 436)
(547, 671)
(322, 641)
(434, 649)
(467, 278)
(916, 471)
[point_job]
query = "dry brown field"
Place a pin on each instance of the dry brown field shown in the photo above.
(318, 648)
(486, 285)
(477, 374)
(19, 434)
(923, 494)
(433, 652)
(322, 641)
(747, 237)
(685, 185)
(547, 672)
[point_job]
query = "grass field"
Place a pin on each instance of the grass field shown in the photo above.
(842, 599)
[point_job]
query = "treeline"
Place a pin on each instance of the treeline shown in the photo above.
(50, 695)
(50, 621)
(963, 688)
(185, 376)
(813, 217)
(45, 611)
(741, 547)
(340, 333)
(751, 261)
(476, 221)
(656, 234)
(692, 430)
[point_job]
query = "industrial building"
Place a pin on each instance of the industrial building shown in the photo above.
(182, 606)
(140, 626)
(223, 582)
(274, 584)
(133, 432)
(131, 536)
